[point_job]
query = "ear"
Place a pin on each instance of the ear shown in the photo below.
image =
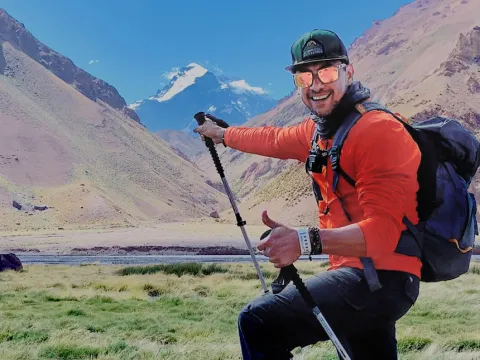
(350, 72)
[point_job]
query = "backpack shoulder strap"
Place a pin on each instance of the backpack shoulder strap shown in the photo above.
(314, 147)
(341, 136)
(338, 140)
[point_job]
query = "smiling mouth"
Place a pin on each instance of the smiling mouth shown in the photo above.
(321, 97)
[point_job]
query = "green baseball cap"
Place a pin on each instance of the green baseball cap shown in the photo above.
(317, 45)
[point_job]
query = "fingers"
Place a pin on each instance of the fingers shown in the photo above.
(204, 127)
(264, 244)
(218, 121)
(278, 262)
(208, 128)
(269, 222)
(198, 129)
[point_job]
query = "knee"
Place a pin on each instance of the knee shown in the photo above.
(247, 320)
(253, 317)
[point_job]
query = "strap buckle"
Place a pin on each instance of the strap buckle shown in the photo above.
(334, 157)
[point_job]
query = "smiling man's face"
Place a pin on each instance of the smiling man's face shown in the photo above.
(322, 98)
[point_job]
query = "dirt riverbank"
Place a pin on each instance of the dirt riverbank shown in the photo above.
(164, 239)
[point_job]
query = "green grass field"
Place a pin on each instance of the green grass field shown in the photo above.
(190, 312)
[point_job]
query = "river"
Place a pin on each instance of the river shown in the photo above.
(145, 259)
(135, 259)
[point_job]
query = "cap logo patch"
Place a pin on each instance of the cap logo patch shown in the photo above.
(312, 49)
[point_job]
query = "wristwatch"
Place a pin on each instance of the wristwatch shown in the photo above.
(309, 240)
(304, 240)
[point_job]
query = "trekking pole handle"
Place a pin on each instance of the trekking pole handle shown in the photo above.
(290, 272)
(200, 117)
(299, 284)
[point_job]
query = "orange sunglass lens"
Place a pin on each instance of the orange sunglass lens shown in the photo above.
(328, 75)
(303, 79)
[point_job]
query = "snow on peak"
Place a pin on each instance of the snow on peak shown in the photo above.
(181, 79)
(195, 65)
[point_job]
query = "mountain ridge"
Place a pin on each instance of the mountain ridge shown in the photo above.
(14, 32)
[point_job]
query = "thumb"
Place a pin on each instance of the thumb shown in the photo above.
(269, 222)
(198, 129)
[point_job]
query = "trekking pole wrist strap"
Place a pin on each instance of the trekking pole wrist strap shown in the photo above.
(304, 240)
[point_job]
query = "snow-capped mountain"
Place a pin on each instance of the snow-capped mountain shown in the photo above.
(194, 88)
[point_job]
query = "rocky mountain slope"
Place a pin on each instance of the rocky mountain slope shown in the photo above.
(169, 113)
(424, 60)
(70, 162)
(194, 87)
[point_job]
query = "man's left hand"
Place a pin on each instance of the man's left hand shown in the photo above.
(281, 246)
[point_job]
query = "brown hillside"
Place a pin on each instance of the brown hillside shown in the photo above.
(91, 164)
(183, 142)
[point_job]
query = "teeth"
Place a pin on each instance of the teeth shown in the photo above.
(321, 97)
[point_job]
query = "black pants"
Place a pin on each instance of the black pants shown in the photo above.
(271, 325)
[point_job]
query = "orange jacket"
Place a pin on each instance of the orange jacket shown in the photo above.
(383, 159)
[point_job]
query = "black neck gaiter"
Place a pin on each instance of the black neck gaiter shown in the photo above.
(329, 124)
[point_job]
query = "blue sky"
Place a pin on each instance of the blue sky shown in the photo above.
(133, 44)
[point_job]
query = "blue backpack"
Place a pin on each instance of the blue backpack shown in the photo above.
(445, 235)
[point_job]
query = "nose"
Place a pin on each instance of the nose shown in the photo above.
(317, 85)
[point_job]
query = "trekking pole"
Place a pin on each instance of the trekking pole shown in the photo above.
(200, 117)
(290, 272)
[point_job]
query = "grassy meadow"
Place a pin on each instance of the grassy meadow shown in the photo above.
(189, 311)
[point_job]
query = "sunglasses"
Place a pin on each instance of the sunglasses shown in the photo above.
(326, 75)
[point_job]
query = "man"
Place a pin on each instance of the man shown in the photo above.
(357, 223)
